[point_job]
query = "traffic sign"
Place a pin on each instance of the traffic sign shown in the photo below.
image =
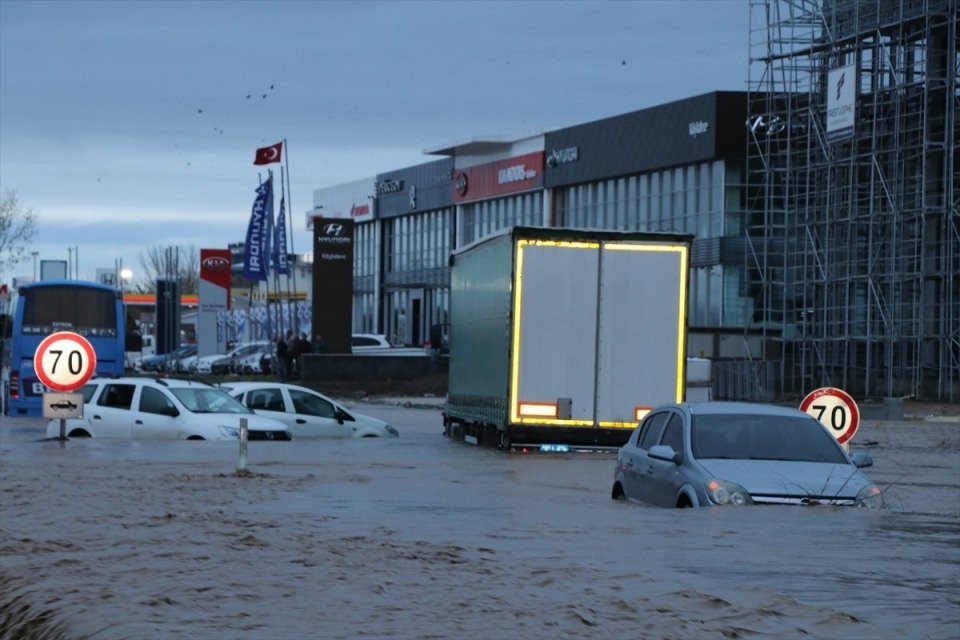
(64, 361)
(835, 409)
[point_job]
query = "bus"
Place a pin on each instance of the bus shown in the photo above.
(93, 310)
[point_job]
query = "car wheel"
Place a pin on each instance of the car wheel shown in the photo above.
(617, 492)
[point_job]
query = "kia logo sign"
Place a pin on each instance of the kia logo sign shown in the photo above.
(215, 263)
(333, 229)
(460, 183)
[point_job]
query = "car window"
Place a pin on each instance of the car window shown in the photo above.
(757, 437)
(119, 396)
(88, 391)
(311, 405)
(673, 433)
(208, 400)
(266, 399)
(363, 341)
(154, 401)
(652, 428)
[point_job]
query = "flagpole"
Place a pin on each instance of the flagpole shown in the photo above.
(283, 211)
(285, 185)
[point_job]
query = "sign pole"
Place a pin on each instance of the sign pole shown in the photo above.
(244, 434)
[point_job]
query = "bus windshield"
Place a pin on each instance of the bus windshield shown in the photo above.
(90, 309)
(89, 312)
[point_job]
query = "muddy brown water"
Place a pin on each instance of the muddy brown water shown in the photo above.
(421, 537)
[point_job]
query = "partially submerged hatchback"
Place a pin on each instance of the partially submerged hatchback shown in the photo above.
(164, 409)
(700, 454)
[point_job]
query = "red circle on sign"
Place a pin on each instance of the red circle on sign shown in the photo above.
(835, 409)
(64, 361)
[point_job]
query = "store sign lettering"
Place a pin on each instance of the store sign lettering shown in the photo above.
(563, 156)
(698, 127)
(516, 173)
(389, 186)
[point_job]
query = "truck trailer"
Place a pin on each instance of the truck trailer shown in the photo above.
(564, 338)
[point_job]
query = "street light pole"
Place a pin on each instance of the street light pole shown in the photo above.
(34, 254)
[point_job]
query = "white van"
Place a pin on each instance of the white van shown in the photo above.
(148, 348)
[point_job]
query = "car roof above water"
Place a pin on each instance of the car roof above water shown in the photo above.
(723, 407)
(166, 382)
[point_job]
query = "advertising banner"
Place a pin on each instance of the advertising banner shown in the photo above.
(333, 282)
(841, 102)
(500, 178)
(215, 272)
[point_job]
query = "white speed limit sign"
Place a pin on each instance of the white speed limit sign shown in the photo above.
(64, 361)
(835, 409)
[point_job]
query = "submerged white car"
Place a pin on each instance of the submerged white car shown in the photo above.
(163, 409)
(307, 413)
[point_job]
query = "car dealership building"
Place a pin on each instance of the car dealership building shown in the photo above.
(823, 204)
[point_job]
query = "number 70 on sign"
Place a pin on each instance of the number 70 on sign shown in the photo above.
(64, 361)
(835, 409)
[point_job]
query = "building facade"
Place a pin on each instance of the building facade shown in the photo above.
(854, 195)
(824, 202)
(676, 167)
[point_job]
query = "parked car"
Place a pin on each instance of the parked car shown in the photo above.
(360, 342)
(168, 362)
(163, 408)
(205, 364)
(307, 413)
(251, 362)
(733, 453)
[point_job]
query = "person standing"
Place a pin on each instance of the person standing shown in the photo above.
(293, 354)
(283, 362)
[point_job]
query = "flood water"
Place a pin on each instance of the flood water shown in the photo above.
(421, 537)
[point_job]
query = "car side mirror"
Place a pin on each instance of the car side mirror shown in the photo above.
(340, 416)
(862, 460)
(664, 452)
(170, 411)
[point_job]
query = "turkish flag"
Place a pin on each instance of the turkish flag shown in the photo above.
(269, 155)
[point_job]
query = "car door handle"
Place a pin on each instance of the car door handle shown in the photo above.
(96, 417)
(138, 422)
(301, 421)
(650, 470)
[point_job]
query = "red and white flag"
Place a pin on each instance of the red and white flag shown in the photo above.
(269, 155)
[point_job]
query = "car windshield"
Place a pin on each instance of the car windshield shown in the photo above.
(202, 400)
(755, 437)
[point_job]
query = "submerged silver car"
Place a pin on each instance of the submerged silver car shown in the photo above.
(732, 453)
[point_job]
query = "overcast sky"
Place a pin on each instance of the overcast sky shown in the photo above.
(127, 125)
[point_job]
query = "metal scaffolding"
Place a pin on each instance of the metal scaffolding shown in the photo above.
(853, 179)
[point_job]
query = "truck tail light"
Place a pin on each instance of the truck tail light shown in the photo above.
(537, 409)
(640, 412)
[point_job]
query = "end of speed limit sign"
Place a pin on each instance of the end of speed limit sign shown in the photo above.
(835, 409)
(64, 361)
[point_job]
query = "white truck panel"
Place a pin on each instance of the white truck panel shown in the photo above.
(556, 318)
(642, 329)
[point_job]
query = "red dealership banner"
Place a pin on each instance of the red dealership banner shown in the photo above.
(215, 272)
(503, 177)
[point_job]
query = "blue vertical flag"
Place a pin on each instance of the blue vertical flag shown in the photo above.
(280, 258)
(256, 249)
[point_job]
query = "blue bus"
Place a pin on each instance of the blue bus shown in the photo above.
(93, 310)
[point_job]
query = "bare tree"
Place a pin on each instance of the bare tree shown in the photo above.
(18, 226)
(180, 263)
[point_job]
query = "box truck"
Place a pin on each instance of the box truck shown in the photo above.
(564, 338)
